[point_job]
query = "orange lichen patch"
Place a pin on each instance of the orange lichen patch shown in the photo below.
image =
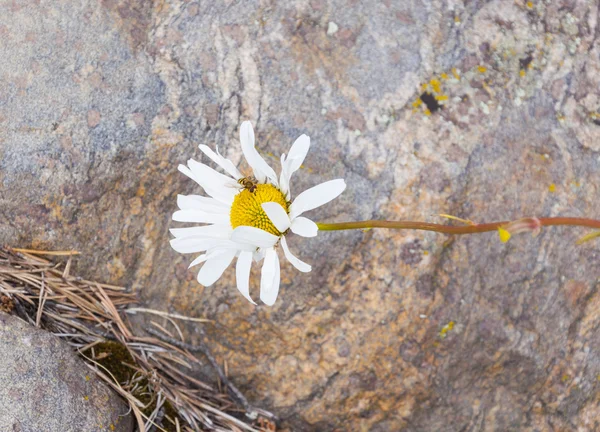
(55, 208)
(141, 191)
(135, 205)
(116, 268)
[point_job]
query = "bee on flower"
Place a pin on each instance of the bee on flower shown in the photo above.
(247, 217)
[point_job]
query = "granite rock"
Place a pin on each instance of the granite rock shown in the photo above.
(483, 110)
(45, 387)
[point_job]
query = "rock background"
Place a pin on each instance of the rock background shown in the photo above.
(100, 100)
(44, 386)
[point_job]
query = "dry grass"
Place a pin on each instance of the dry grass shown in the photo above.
(86, 314)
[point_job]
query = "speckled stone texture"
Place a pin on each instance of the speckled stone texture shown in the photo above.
(100, 100)
(45, 387)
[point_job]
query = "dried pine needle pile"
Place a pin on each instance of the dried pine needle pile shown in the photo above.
(153, 374)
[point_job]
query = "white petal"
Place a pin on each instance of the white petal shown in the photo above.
(278, 215)
(258, 255)
(269, 278)
(197, 202)
(224, 163)
(316, 196)
(304, 227)
(284, 178)
(253, 236)
(261, 169)
(211, 177)
(300, 265)
(242, 274)
(297, 153)
(292, 163)
(209, 231)
(199, 216)
(194, 244)
(217, 185)
(214, 267)
(198, 260)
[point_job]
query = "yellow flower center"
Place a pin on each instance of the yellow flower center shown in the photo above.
(246, 209)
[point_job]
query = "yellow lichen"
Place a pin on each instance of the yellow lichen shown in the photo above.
(529, 5)
(436, 85)
(503, 234)
(552, 188)
(522, 72)
(481, 69)
(441, 98)
(448, 327)
(246, 209)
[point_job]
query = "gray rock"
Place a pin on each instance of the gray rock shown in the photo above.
(45, 387)
(100, 100)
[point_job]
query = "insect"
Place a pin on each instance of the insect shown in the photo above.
(248, 183)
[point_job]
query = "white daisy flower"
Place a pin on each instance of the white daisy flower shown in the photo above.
(247, 217)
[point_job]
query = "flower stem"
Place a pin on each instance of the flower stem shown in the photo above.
(449, 229)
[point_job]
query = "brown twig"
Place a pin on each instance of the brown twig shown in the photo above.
(202, 348)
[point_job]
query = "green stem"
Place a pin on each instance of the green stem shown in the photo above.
(449, 229)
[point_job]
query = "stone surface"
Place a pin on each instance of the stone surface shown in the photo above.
(99, 102)
(45, 387)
